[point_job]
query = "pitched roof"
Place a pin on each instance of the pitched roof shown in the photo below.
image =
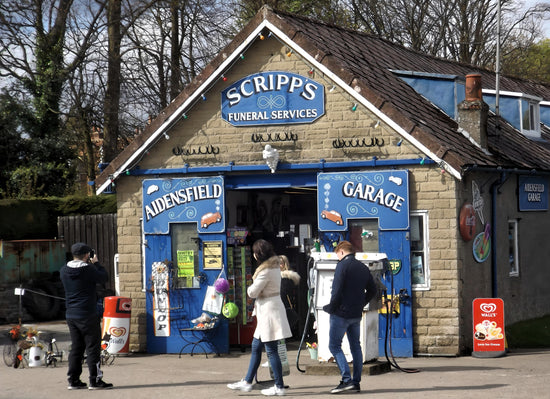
(364, 64)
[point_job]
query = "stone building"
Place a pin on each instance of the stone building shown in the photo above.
(300, 131)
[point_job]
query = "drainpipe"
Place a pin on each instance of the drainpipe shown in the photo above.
(494, 192)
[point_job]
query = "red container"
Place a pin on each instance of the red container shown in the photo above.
(116, 324)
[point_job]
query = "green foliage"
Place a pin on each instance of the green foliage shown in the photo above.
(533, 333)
(37, 218)
(48, 179)
(529, 63)
(30, 165)
(75, 205)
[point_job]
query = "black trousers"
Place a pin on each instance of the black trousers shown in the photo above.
(85, 336)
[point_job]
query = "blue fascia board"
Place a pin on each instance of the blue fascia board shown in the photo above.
(319, 166)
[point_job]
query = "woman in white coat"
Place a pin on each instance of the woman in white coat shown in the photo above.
(272, 324)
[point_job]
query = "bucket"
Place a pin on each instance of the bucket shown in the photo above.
(313, 353)
(35, 356)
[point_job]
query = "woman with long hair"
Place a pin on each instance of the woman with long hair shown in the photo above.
(272, 324)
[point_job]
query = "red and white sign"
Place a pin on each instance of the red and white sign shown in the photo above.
(161, 299)
(467, 222)
(488, 321)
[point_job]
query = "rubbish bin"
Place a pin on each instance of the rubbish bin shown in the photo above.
(116, 324)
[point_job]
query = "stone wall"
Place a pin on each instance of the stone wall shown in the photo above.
(436, 311)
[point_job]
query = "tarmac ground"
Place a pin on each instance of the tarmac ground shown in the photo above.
(518, 374)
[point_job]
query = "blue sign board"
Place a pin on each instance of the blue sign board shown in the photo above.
(533, 193)
(186, 200)
(271, 98)
(363, 195)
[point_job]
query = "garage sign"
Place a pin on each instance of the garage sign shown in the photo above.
(383, 195)
(185, 200)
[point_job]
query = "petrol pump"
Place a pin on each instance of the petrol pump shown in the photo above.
(322, 274)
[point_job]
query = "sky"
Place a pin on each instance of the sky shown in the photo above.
(546, 23)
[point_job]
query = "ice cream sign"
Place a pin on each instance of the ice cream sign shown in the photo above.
(488, 320)
(361, 195)
(199, 200)
(276, 97)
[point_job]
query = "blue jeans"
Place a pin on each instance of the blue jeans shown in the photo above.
(272, 356)
(350, 327)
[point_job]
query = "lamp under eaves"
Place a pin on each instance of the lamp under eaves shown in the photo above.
(271, 156)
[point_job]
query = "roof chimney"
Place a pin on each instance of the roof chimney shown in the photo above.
(473, 112)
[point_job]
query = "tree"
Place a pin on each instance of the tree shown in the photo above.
(329, 11)
(530, 62)
(13, 115)
(460, 30)
(43, 41)
(167, 46)
(111, 104)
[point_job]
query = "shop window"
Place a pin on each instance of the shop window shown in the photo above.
(420, 271)
(185, 255)
(364, 235)
(513, 251)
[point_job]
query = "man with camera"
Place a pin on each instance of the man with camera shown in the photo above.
(79, 277)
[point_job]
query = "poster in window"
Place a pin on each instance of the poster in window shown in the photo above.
(186, 263)
(212, 254)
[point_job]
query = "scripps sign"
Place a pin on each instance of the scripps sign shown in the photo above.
(273, 98)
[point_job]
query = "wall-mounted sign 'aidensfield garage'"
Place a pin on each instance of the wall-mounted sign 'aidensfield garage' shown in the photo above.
(199, 200)
(533, 193)
(269, 98)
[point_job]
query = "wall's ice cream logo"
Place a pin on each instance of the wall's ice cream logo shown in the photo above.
(488, 307)
(488, 330)
(117, 331)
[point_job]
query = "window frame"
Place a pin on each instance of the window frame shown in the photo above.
(513, 241)
(424, 219)
(532, 112)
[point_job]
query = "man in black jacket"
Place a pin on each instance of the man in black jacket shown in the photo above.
(79, 278)
(352, 288)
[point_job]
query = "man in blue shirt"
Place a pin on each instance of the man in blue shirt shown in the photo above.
(79, 278)
(352, 288)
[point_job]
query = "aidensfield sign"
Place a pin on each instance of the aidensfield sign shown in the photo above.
(275, 97)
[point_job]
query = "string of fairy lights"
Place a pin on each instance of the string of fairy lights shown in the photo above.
(354, 106)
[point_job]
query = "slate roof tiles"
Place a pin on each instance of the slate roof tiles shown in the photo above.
(365, 62)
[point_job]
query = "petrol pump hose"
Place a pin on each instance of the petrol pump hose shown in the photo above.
(389, 318)
(309, 311)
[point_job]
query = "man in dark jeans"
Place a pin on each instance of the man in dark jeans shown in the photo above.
(79, 278)
(352, 288)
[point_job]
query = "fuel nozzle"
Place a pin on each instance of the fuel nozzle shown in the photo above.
(404, 296)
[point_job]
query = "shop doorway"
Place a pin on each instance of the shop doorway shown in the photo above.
(286, 217)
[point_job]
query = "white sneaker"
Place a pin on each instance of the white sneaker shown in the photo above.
(273, 391)
(265, 364)
(242, 385)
